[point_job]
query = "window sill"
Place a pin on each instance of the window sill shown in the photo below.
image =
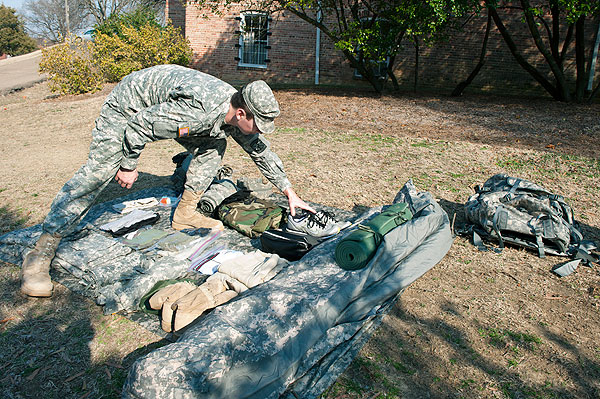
(251, 66)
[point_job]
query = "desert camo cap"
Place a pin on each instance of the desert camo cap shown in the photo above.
(261, 102)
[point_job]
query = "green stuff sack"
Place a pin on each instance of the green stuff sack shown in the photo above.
(356, 250)
(248, 214)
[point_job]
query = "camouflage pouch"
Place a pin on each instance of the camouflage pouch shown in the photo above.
(248, 214)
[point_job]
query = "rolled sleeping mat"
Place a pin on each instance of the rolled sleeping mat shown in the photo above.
(216, 193)
(354, 251)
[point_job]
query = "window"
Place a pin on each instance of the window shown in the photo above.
(254, 33)
(379, 68)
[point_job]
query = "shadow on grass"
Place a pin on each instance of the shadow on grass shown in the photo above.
(409, 364)
(46, 345)
(10, 220)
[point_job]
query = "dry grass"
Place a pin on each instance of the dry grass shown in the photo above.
(479, 324)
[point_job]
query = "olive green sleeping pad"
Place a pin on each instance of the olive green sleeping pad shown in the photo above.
(356, 250)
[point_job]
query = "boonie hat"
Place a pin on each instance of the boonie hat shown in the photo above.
(261, 102)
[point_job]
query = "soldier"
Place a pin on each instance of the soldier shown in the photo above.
(199, 111)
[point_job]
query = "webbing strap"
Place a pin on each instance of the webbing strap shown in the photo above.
(496, 228)
(515, 186)
(540, 244)
(478, 242)
(539, 234)
(368, 229)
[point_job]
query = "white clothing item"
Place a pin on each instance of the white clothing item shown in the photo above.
(142, 203)
(213, 265)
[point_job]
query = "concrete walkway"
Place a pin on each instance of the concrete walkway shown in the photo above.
(20, 72)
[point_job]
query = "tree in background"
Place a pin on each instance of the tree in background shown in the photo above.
(368, 32)
(554, 26)
(47, 20)
(13, 39)
(101, 10)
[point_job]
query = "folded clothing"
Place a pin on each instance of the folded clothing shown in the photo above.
(356, 250)
(175, 242)
(253, 268)
(142, 203)
(211, 265)
(144, 238)
(130, 222)
(216, 193)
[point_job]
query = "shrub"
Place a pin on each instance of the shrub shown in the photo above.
(113, 26)
(70, 67)
(134, 49)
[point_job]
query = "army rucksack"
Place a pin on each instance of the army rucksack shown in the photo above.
(523, 213)
(249, 214)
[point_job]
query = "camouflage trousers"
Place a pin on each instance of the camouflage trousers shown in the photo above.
(207, 155)
(106, 151)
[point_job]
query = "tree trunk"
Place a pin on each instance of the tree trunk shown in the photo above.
(460, 88)
(390, 72)
(561, 81)
(524, 64)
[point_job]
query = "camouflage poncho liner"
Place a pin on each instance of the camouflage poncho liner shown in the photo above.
(290, 337)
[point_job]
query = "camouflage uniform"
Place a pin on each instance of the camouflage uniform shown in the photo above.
(162, 102)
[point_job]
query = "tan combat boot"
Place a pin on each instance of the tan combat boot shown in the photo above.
(35, 273)
(186, 216)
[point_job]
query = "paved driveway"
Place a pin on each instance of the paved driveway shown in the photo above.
(20, 72)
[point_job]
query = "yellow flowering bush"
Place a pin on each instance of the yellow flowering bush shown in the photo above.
(135, 49)
(70, 67)
(76, 66)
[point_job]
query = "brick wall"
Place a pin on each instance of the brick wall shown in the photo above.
(292, 53)
(447, 64)
(175, 10)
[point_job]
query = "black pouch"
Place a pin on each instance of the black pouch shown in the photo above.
(289, 245)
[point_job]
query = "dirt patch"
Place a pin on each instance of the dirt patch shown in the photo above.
(479, 324)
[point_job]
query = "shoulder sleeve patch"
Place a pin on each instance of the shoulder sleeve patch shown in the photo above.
(258, 145)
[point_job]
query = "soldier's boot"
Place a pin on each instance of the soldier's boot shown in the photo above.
(187, 217)
(35, 273)
(207, 296)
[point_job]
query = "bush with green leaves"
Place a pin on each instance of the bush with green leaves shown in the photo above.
(70, 67)
(113, 26)
(137, 48)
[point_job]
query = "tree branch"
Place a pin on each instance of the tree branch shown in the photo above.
(552, 63)
(524, 64)
(460, 88)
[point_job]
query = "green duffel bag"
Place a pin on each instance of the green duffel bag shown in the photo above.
(356, 250)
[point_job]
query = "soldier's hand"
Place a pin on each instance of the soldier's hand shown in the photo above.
(126, 178)
(295, 202)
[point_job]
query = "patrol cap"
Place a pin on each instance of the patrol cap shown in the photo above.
(261, 102)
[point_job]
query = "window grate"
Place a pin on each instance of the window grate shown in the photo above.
(253, 44)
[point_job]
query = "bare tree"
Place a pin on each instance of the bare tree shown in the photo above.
(46, 19)
(102, 9)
